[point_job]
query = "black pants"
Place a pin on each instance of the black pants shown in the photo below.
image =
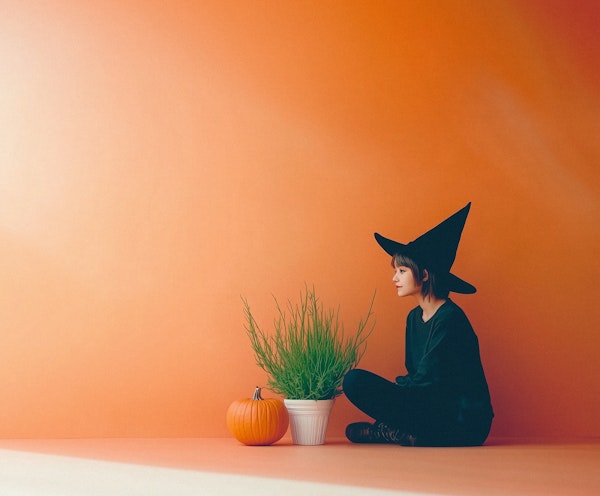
(430, 418)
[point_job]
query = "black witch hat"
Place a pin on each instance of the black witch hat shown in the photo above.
(436, 249)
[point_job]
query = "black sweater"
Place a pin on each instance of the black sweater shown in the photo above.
(444, 364)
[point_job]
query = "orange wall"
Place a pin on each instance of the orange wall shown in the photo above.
(160, 159)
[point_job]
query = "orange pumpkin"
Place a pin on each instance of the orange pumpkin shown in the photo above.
(256, 421)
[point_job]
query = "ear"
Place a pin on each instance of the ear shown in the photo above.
(425, 275)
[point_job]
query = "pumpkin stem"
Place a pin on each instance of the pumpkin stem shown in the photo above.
(256, 395)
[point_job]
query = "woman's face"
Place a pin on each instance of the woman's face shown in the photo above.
(405, 281)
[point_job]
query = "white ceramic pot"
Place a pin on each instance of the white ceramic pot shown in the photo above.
(308, 420)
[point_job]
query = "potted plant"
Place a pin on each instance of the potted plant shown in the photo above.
(306, 358)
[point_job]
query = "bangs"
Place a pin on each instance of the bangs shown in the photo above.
(405, 261)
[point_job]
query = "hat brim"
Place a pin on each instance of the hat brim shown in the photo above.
(457, 285)
(391, 247)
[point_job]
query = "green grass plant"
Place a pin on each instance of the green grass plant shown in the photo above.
(308, 354)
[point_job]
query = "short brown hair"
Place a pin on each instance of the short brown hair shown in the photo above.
(434, 285)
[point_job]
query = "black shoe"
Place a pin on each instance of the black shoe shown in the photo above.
(377, 433)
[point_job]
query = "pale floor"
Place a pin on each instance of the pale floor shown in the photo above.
(181, 467)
